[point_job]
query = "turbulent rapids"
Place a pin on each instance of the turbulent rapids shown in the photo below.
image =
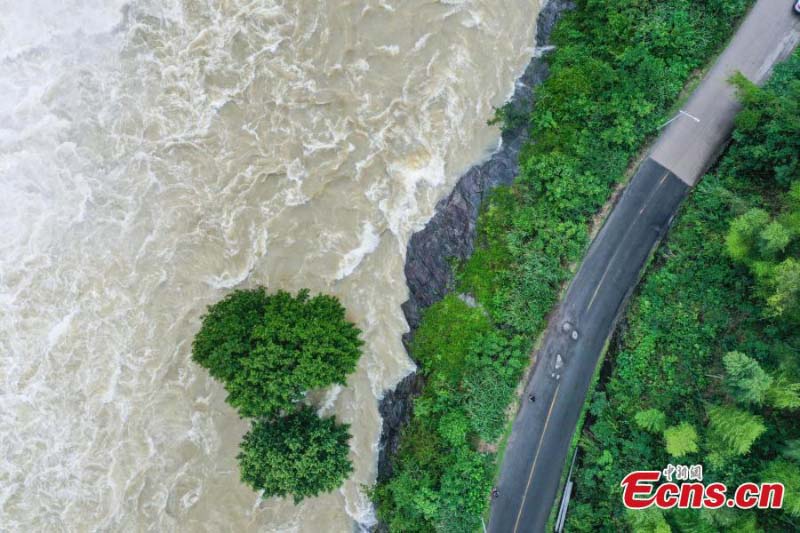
(154, 155)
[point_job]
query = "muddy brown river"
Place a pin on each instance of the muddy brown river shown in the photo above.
(156, 154)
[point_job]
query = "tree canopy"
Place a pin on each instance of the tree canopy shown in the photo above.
(226, 336)
(732, 430)
(269, 349)
(748, 382)
(681, 440)
(652, 420)
(788, 473)
(300, 454)
(767, 136)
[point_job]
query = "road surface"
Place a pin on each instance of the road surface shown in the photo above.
(539, 442)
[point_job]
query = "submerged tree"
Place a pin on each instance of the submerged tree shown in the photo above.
(299, 454)
(268, 350)
(226, 336)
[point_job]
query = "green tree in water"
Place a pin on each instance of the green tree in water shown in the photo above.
(226, 336)
(299, 454)
(269, 349)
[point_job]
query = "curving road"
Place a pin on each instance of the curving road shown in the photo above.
(539, 442)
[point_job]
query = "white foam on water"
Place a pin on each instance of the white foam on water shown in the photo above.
(391, 49)
(29, 25)
(368, 243)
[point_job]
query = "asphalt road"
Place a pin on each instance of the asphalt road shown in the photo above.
(537, 449)
(767, 36)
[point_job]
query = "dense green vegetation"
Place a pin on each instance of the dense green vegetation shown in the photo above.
(300, 454)
(711, 340)
(268, 350)
(618, 68)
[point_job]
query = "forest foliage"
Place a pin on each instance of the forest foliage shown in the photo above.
(617, 69)
(299, 454)
(711, 339)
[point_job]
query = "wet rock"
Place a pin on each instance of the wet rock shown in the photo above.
(395, 408)
(468, 299)
(449, 236)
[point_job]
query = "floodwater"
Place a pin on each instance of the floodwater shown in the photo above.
(154, 155)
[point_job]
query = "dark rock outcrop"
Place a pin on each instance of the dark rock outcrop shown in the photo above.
(450, 234)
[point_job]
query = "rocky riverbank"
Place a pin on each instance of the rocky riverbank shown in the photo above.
(450, 234)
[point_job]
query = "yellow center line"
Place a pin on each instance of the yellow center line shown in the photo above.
(536, 457)
(630, 227)
(555, 395)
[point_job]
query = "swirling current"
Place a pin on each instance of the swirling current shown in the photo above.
(155, 154)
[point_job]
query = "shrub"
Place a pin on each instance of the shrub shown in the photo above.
(443, 340)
